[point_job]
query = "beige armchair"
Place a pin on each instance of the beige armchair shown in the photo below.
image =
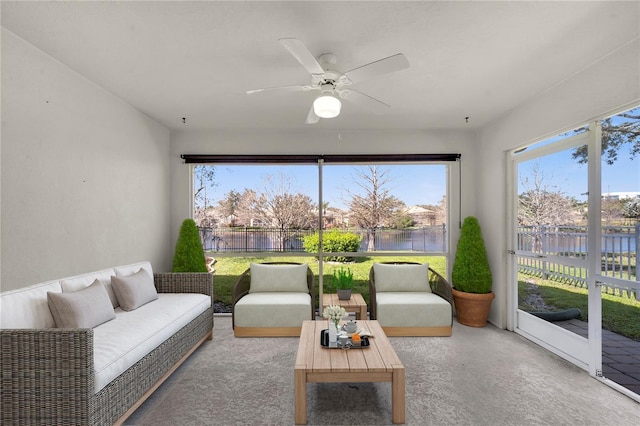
(273, 299)
(410, 299)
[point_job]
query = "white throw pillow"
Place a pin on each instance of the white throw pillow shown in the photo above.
(126, 270)
(389, 277)
(82, 281)
(84, 308)
(268, 278)
(134, 290)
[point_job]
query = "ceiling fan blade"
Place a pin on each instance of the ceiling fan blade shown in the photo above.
(302, 54)
(383, 66)
(295, 88)
(365, 101)
(312, 118)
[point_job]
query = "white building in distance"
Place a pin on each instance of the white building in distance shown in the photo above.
(621, 195)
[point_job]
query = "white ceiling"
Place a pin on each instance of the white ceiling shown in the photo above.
(174, 59)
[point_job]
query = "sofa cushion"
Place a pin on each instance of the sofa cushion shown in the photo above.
(125, 340)
(409, 309)
(389, 277)
(125, 270)
(286, 278)
(134, 290)
(81, 281)
(27, 307)
(275, 309)
(84, 308)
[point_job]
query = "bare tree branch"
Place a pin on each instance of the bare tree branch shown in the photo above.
(373, 207)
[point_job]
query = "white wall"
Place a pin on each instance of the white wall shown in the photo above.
(315, 141)
(85, 177)
(607, 85)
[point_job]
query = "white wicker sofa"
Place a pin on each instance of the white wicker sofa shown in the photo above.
(98, 375)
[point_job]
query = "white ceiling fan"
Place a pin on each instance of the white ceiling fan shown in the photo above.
(335, 85)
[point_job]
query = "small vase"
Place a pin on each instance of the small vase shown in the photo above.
(333, 335)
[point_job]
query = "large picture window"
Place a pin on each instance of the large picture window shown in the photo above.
(331, 212)
(388, 207)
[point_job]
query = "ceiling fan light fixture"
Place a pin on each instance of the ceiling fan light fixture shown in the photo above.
(327, 106)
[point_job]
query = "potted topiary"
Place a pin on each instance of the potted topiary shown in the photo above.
(343, 280)
(189, 256)
(471, 276)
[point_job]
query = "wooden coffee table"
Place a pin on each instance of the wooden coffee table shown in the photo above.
(318, 364)
(355, 304)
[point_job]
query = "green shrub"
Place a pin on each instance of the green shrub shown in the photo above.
(471, 272)
(333, 241)
(189, 256)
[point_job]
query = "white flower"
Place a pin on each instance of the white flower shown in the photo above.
(334, 312)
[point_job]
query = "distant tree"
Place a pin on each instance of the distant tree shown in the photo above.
(614, 136)
(203, 183)
(403, 221)
(246, 211)
(373, 206)
(541, 204)
(611, 208)
(285, 209)
(441, 211)
(229, 206)
(631, 208)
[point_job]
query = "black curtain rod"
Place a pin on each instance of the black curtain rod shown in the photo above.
(347, 158)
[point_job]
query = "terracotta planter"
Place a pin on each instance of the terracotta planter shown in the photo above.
(472, 309)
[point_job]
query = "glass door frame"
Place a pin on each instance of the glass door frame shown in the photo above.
(583, 352)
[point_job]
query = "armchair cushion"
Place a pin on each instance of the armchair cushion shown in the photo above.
(275, 309)
(278, 278)
(402, 278)
(406, 309)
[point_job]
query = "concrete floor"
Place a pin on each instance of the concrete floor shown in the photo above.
(477, 377)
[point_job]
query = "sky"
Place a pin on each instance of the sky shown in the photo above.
(413, 184)
(563, 173)
(426, 183)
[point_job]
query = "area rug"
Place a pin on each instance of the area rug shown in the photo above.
(482, 376)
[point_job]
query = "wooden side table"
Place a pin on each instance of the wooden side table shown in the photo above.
(355, 304)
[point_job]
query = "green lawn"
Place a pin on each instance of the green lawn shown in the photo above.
(229, 269)
(619, 314)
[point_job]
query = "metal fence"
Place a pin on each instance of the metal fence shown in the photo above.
(428, 239)
(618, 257)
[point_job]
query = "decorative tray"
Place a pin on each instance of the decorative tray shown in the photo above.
(350, 344)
